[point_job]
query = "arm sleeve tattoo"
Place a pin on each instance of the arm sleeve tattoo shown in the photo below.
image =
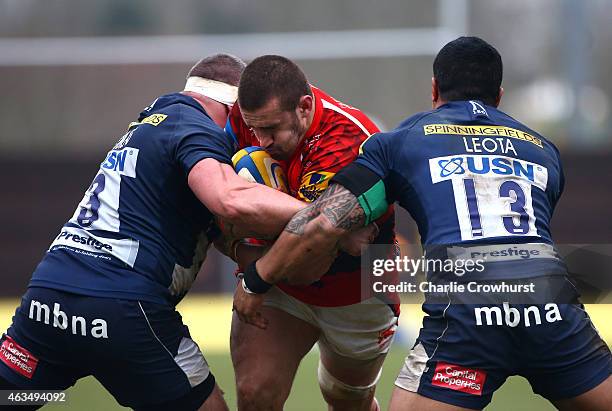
(337, 204)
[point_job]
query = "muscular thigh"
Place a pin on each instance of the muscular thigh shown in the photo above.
(402, 400)
(273, 354)
(596, 399)
(358, 333)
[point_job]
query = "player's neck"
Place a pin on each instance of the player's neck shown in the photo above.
(309, 122)
(214, 109)
(438, 103)
(200, 98)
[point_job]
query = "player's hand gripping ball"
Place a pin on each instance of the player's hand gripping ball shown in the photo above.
(255, 165)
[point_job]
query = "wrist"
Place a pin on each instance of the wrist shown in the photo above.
(252, 282)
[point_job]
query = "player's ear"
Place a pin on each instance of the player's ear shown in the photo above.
(305, 106)
(499, 96)
(435, 94)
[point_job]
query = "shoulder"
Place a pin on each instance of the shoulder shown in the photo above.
(178, 111)
(190, 123)
(532, 135)
(337, 115)
(387, 141)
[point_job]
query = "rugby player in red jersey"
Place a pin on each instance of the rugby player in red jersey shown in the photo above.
(314, 136)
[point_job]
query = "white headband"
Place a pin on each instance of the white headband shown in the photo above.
(216, 90)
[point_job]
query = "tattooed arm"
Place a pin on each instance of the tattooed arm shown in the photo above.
(309, 244)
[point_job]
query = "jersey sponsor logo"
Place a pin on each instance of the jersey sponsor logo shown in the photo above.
(122, 161)
(463, 130)
(465, 166)
(154, 119)
(125, 249)
(505, 252)
(511, 316)
(459, 378)
(313, 185)
(17, 358)
(75, 324)
(86, 240)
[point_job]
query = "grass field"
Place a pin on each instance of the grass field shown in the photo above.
(209, 317)
(515, 395)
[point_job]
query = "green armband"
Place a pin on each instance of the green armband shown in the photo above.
(374, 202)
(367, 186)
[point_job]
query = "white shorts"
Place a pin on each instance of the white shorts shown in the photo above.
(360, 331)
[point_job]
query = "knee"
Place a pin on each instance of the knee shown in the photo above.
(260, 394)
(335, 390)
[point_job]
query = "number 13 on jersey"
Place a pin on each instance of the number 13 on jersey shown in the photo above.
(492, 193)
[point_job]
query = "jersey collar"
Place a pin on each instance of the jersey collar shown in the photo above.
(169, 99)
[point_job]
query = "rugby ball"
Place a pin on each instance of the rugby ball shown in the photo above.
(255, 165)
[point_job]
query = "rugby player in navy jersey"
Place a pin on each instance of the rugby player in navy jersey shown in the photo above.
(102, 300)
(479, 183)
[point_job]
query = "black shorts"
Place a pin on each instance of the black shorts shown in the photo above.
(465, 352)
(140, 352)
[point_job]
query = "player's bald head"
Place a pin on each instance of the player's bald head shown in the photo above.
(468, 68)
(225, 68)
(269, 77)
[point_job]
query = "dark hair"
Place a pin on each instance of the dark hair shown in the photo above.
(468, 68)
(272, 76)
(220, 67)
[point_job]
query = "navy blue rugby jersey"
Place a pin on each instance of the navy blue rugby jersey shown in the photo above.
(139, 231)
(479, 184)
(469, 173)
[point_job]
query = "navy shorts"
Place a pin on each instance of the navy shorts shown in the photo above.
(465, 352)
(140, 352)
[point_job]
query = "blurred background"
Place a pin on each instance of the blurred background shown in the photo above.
(74, 73)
